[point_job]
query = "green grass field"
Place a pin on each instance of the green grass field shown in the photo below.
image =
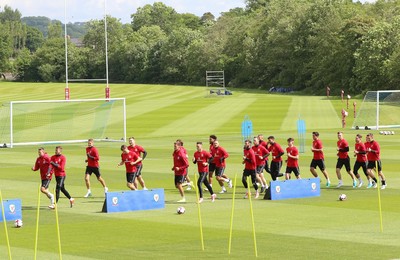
(309, 228)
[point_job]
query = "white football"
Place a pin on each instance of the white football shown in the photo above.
(342, 197)
(18, 223)
(180, 210)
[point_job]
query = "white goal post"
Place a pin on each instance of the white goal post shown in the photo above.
(379, 109)
(66, 121)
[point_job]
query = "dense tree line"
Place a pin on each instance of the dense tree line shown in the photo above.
(302, 44)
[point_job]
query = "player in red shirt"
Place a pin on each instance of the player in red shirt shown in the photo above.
(343, 159)
(130, 159)
(141, 152)
(57, 162)
(202, 158)
(360, 152)
(219, 155)
(180, 167)
(211, 166)
(292, 162)
(187, 181)
(265, 144)
(250, 165)
(92, 161)
(43, 164)
(374, 159)
(276, 150)
(261, 154)
(318, 159)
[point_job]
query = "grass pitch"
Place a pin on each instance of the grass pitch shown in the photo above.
(322, 227)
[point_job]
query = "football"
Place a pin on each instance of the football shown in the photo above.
(342, 197)
(348, 96)
(180, 210)
(18, 223)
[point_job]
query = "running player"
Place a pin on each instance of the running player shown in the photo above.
(292, 162)
(220, 154)
(180, 166)
(343, 159)
(141, 152)
(43, 164)
(276, 150)
(211, 167)
(93, 167)
(265, 144)
(360, 152)
(250, 165)
(130, 159)
(58, 162)
(187, 181)
(373, 156)
(202, 158)
(261, 154)
(318, 159)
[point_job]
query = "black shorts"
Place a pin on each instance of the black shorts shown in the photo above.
(179, 179)
(276, 167)
(345, 162)
(139, 169)
(211, 167)
(358, 165)
(248, 172)
(46, 183)
(260, 169)
(295, 170)
(375, 165)
(95, 170)
(130, 177)
(318, 163)
(219, 171)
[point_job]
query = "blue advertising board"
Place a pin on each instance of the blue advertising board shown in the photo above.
(291, 189)
(12, 210)
(134, 200)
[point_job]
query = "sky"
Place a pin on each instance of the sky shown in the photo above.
(84, 10)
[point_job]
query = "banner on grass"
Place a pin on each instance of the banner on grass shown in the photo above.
(291, 189)
(12, 210)
(134, 200)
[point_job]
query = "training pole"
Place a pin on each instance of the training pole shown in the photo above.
(57, 226)
(198, 209)
(37, 224)
(233, 209)
(252, 216)
(5, 226)
(379, 204)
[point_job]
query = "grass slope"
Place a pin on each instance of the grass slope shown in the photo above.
(320, 227)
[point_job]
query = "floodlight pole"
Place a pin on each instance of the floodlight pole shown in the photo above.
(106, 45)
(66, 51)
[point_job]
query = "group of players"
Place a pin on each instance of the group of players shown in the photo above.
(255, 159)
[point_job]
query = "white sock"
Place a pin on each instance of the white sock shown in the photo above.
(89, 191)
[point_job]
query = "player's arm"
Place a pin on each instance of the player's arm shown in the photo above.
(139, 159)
(344, 149)
(144, 152)
(36, 166)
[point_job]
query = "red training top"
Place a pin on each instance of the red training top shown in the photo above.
(43, 164)
(218, 155)
(250, 159)
(276, 149)
(342, 144)
(92, 162)
(361, 157)
(202, 159)
(318, 155)
(180, 161)
(137, 149)
(291, 162)
(60, 169)
(374, 154)
(127, 158)
(260, 151)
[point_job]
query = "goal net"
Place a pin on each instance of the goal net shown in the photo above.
(62, 121)
(379, 109)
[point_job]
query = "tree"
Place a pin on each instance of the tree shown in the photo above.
(5, 48)
(34, 39)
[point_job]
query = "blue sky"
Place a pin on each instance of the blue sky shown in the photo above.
(83, 10)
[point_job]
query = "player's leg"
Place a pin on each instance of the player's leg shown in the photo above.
(202, 177)
(45, 190)
(350, 172)
(339, 166)
(88, 172)
(210, 189)
(296, 172)
(253, 176)
(322, 167)
(179, 179)
(65, 192)
(313, 166)
(380, 173)
(356, 167)
(219, 171)
(130, 180)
